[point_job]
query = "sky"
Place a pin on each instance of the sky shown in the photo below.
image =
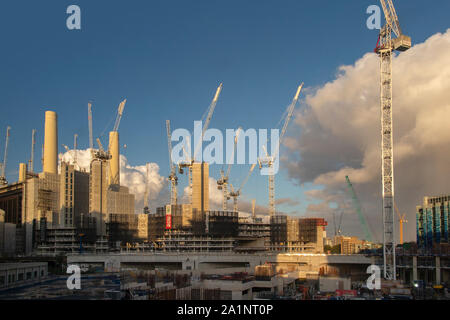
(167, 59)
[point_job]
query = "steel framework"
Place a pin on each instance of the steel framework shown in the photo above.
(385, 47)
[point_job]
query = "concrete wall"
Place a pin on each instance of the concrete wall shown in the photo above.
(16, 274)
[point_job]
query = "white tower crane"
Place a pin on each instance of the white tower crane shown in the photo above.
(385, 47)
(190, 161)
(119, 114)
(3, 180)
(147, 189)
(268, 161)
(173, 171)
(91, 139)
(33, 143)
(235, 194)
(75, 145)
(101, 154)
(253, 208)
(222, 182)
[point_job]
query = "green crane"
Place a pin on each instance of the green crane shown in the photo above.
(362, 220)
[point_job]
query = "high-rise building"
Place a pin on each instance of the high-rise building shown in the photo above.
(73, 195)
(98, 189)
(432, 221)
(200, 186)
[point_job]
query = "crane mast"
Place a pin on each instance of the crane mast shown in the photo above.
(222, 182)
(3, 180)
(75, 145)
(253, 208)
(173, 174)
(268, 161)
(385, 47)
(91, 138)
(189, 162)
(33, 143)
(357, 205)
(401, 221)
(147, 189)
(236, 194)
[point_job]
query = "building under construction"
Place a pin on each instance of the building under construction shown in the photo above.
(66, 209)
(290, 234)
(178, 227)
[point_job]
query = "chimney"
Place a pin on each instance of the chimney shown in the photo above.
(51, 143)
(22, 172)
(114, 171)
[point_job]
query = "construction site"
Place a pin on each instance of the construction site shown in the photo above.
(187, 250)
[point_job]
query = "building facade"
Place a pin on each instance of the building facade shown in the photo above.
(432, 221)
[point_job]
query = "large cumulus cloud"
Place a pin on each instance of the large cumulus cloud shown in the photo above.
(133, 177)
(338, 131)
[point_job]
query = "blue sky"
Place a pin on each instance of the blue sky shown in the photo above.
(168, 57)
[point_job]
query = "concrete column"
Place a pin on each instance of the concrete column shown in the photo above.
(415, 268)
(438, 270)
(51, 143)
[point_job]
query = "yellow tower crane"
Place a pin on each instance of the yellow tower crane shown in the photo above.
(401, 221)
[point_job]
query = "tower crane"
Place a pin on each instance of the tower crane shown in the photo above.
(253, 208)
(75, 145)
(337, 228)
(391, 38)
(235, 194)
(91, 139)
(147, 190)
(357, 205)
(3, 180)
(189, 162)
(268, 161)
(222, 182)
(33, 143)
(74, 156)
(119, 114)
(173, 170)
(101, 154)
(401, 220)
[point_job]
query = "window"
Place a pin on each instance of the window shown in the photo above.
(28, 275)
(20, 277)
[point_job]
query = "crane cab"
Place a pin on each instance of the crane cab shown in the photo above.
(401, 43)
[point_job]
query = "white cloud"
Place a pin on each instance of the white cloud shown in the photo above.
(133, 177)
(339, 133)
